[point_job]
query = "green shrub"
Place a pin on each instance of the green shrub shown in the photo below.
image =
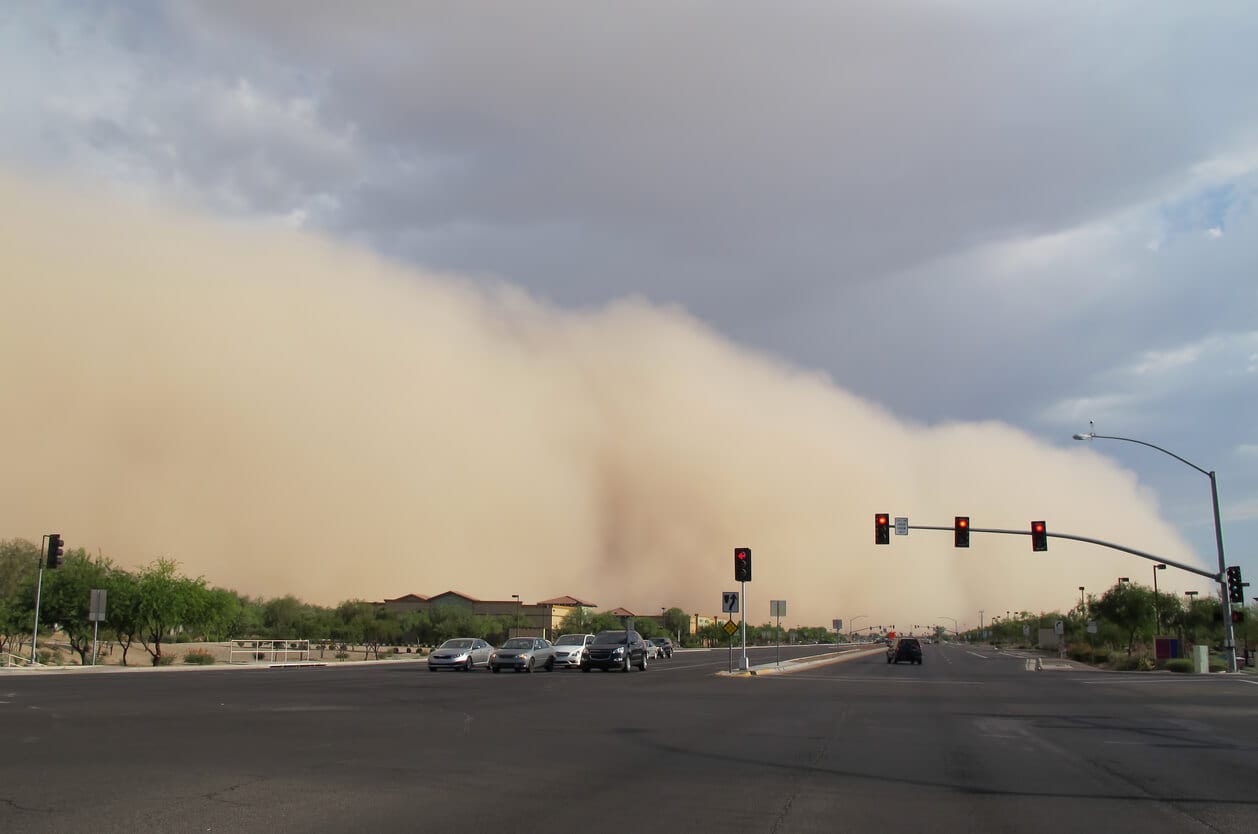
(1179, 664)
(342, 655)
(1100, 656)
(166, 660)
(1129, 663)
(1217, 664)
(1145, 664)
(198, 657)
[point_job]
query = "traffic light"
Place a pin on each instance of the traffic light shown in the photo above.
(742, 564)
(1235, 587)
(1039, 536)
(55, 548)
(961, 531)
(882, 530)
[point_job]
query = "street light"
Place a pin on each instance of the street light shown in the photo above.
(1157, 609)
(1190, 595)
(1229, 636)
(516, 597)
(1083, 605)
(1124, 579)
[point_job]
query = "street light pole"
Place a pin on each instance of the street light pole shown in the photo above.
(1157, 609)
(1229, 636)
(1083, 604)
(516, 597)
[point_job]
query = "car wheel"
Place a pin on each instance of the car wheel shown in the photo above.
(495, 669)
(528, 667)
(432, 668)
(642, 665)
(585, 667)
(550, 664)
(469, 666)
(888, 660)
(628, 664)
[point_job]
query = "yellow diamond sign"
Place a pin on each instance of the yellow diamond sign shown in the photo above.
(730, 627)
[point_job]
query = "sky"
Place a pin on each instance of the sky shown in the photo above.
(561, 298)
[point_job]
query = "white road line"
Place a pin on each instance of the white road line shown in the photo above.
(979, 656)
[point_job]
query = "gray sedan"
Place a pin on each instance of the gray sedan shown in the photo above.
(460, 653)
(523, 654)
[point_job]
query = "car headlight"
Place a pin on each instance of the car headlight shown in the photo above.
(619, 651)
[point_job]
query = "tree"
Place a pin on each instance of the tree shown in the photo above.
(123, 616)
(223, 616)
(165, 601)
(19, 565)
(1129, 607)
(67, 595)
(677, 622)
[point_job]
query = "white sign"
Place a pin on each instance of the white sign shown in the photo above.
(1059, 627)
(1026, 631)
(729, 602)
(1091, 626)
(901, 526)
(838, 625)
(777, 608)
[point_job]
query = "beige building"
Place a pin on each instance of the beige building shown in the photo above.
(540, 619)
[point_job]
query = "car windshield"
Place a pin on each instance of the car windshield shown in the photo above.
(457, 644)
(571, 640)
(611, 637)
(659, 640)
(518, 643)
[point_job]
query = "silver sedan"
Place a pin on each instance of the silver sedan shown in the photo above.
(523, 654)
(460, 653)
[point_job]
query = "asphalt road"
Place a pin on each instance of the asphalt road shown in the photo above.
(971, 741)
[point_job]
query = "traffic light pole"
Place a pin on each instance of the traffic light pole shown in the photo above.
(39, 588)
(1199, 571)
(743, 592)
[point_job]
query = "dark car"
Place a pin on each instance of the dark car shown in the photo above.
(906, 648)
(664, 645)
(615, 650)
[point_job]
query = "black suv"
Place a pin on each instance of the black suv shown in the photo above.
(614, 650)
(906, 648)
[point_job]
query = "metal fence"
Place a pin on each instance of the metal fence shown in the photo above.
(268, 651)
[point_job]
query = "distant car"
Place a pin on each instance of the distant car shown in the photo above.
(615, 650)
(906, 648)
(653, 652)
(664, 645)
(464, 653)
(568, 649)
(523, 654)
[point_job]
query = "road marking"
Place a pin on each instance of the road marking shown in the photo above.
(979, 656)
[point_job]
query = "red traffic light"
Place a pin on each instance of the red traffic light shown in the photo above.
(742, 564)
(1039, 536)
(961, 531)
(882, 530)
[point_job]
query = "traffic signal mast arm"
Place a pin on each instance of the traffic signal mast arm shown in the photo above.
(1216, 577)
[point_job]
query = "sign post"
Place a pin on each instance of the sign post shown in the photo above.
(777, 608)
(96, 613)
